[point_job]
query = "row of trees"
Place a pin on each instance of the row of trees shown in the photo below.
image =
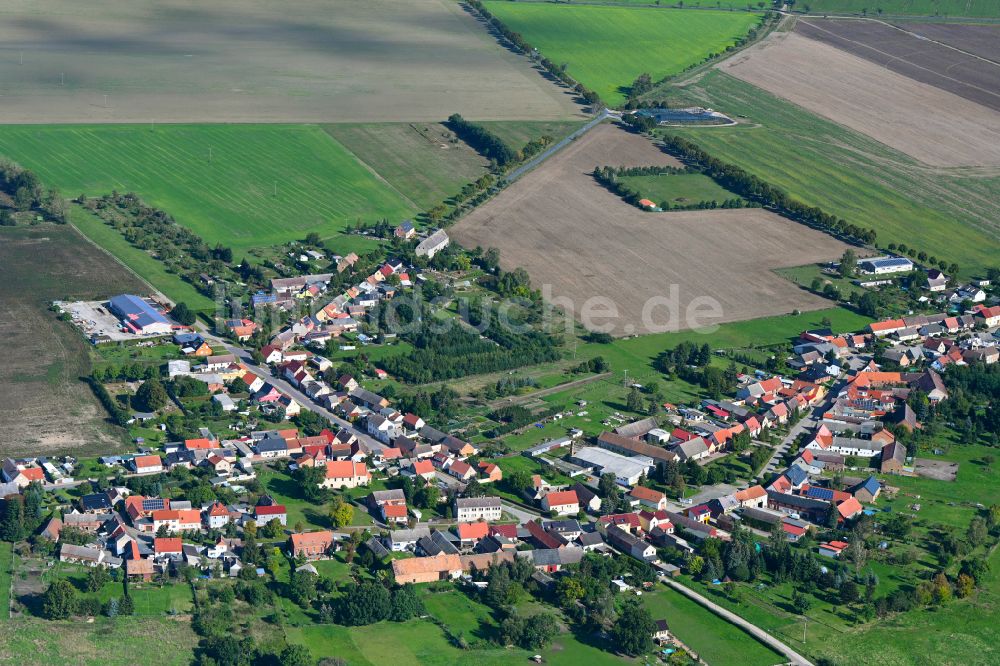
(515, 38)
(632, 196)
(755, 189)
(27, 193)
(485, 142)
(153, 230)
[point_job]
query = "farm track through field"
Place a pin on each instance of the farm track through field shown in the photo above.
(535, 395)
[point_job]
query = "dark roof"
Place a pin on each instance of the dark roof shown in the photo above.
(153, 503)
(798, 501)
(95, 502)
(796, 475)
(272, 444)
(376, 547)
(819, 493)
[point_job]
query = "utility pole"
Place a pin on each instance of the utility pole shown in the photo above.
(209, 154)
(275, 188)
(626, 377)
(105, 101)
(22, 57)
(62, 78)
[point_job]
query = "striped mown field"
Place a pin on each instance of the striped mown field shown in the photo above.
(605, 47)
(245, 186)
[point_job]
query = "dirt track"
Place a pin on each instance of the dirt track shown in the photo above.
(582, 241)
(261, 61)
(925, 122)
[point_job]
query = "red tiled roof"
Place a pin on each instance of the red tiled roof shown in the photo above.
(148, 461)
(422, 467)
(35, 473)
(648, 494)
(476, 530)
(272, 510)
(311, 539)
(345, 469)
(394, 510)
(167, 545)
(562, 498)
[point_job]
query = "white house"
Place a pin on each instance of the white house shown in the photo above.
(346, 474)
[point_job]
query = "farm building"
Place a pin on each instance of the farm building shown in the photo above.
(138, 316)
(882, 265)
(433, 244)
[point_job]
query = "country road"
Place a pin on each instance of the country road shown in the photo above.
(557, 146)
(368, 442)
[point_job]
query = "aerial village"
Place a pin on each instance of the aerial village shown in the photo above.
(428, 506)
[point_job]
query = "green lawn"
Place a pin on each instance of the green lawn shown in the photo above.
(460, 613)
(151, 599)
(948, 213)
(218, 180)
(970, 8)
(285, 490)
(716, 641)
(678, 189)
(606, 48)
(417, 642)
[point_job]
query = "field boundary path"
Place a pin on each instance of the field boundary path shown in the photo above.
(559, 145)
(541, 393)
(752, 629)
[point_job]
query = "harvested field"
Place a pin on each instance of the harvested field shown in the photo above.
(953, 213)
(46, 408)
(259, 61)
(908, 50)
(929, 124)
(581, 241)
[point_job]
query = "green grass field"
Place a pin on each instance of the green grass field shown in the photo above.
(606, 48)
(741, 5)
(417, 159)
(118, 642)
(716, 641)
(949, 213)
(678, 190)
(218, 180)
(519, 132)
(956, 8)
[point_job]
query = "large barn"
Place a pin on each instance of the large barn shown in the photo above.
(138, 316)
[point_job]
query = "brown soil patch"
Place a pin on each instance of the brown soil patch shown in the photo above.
(262, 61)
(963, 63)
(46, 408)
(582, 241)
(925, 122)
